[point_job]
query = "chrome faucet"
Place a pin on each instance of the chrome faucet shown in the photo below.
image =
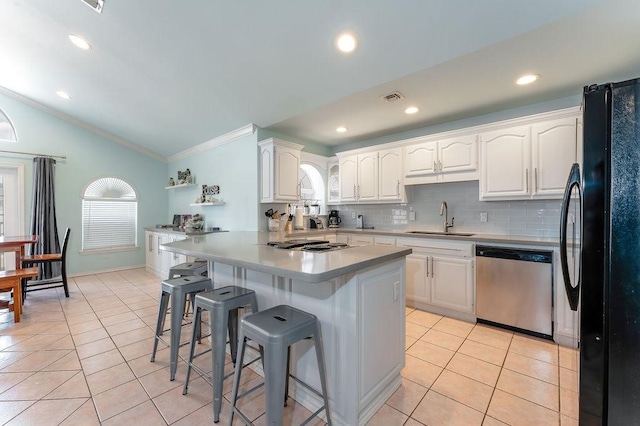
(443, 211)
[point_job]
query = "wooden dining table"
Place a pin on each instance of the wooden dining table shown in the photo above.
(11, 277)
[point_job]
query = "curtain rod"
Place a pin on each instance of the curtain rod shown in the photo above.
(35, 155)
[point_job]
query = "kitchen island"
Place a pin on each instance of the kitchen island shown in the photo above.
(358, 295)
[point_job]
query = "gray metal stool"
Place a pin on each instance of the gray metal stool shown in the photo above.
(177, 290)
(276, 329)
(223, 304)
(197, 268)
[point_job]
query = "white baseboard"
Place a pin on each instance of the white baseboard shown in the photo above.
(104, 271)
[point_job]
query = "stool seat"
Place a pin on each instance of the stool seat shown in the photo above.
(176, 290)
(275, 330)
(223, 304)
(188, 268)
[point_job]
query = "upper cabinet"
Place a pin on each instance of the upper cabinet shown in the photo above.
(333, 182)
(372, 177)
(448, 160)
(528, 161)
(280, 168)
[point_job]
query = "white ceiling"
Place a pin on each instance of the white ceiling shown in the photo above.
(168, 75)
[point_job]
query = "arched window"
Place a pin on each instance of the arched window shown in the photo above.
(109, 215)
(7, 131)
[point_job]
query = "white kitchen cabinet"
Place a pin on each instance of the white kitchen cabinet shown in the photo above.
(440, 276)
(361, 240)
(280, 171)
(333, 182)
(151, 251)
(452, 283)
(553, 151)
(367, 185)
(372, 177)
(528, 161)
(452, 159)
(390, 187)
(160, 261)
(348, 179)
(418, 283)
(506, 159)
(343, 238)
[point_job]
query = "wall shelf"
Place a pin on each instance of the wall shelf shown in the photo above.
(220, 203)
(184, 185)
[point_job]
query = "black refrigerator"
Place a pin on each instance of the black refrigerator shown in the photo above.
(601, 258)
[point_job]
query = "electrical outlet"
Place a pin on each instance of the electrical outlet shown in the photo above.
(412, 215)
(483, 217)
(353, 215)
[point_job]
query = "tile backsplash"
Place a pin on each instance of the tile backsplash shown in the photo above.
(540, 218)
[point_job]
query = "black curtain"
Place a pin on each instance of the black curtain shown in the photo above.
(43, 214)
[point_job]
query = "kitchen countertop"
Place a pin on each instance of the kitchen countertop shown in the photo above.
(476, 237)
(177, 231)
(248, 249)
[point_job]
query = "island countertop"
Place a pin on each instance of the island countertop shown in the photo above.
(248, 249)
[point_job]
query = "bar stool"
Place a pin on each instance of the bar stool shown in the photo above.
(276, 329)
(223, 304)
(177, 290)
(197, 268)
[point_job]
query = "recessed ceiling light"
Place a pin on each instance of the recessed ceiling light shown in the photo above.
(79, 42)
(527, 79)
(346, 42)
(63, 94)
(411, 110)
(341, 129)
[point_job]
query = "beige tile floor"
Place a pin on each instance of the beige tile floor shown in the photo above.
(85, 360)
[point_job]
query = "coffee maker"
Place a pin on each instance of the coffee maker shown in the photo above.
(334, 219)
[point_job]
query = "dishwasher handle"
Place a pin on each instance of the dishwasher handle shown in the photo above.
(526, 255)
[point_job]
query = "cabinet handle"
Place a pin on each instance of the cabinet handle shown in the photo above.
(435, 166)
(158, 245)
(358, 192)
(536, 179)
(432, 268)
(440, 165)
(355, 193)
(299, 190)
(398, 188)
(527, 178)
(427, 267)
(150, 243)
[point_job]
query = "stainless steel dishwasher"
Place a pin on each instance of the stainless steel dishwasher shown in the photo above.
(514, 289)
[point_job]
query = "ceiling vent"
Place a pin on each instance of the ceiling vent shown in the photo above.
(94, 4)
(392, 97)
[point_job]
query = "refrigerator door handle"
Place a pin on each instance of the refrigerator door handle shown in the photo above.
(573, 292)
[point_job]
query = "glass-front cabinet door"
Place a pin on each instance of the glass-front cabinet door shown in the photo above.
(333, 184)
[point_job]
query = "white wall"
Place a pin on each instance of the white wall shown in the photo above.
(234, 167)
(88, 156)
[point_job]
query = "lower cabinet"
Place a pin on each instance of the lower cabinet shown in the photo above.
(160, 261)
(440, 276)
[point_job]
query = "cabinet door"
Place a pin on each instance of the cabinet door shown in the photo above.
(362, 240)
(367, 177)
(452, 283)
(266, 169)
(164, 257)
(390, 175)
(417, 282)
(384, 241)
(150, 255)
(333, 183)
(458, 154)
(506, 156)
(348, 178)
(343, 238)
(421, 159)
(287, 180)
(553, 151)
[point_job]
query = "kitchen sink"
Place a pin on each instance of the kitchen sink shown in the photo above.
(454, 234)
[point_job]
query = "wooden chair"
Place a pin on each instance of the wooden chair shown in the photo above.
(37, 259)
(12, 280)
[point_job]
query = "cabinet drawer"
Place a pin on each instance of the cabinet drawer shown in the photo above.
(433, 246)
(385, 241)
(361, 240)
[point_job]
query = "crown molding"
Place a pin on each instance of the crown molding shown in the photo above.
(79, 123)
(247, 130)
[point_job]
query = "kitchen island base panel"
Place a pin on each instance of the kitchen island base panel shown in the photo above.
(362, 317)
(463, 316)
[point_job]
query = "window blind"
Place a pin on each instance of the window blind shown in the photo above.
(109, 224)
